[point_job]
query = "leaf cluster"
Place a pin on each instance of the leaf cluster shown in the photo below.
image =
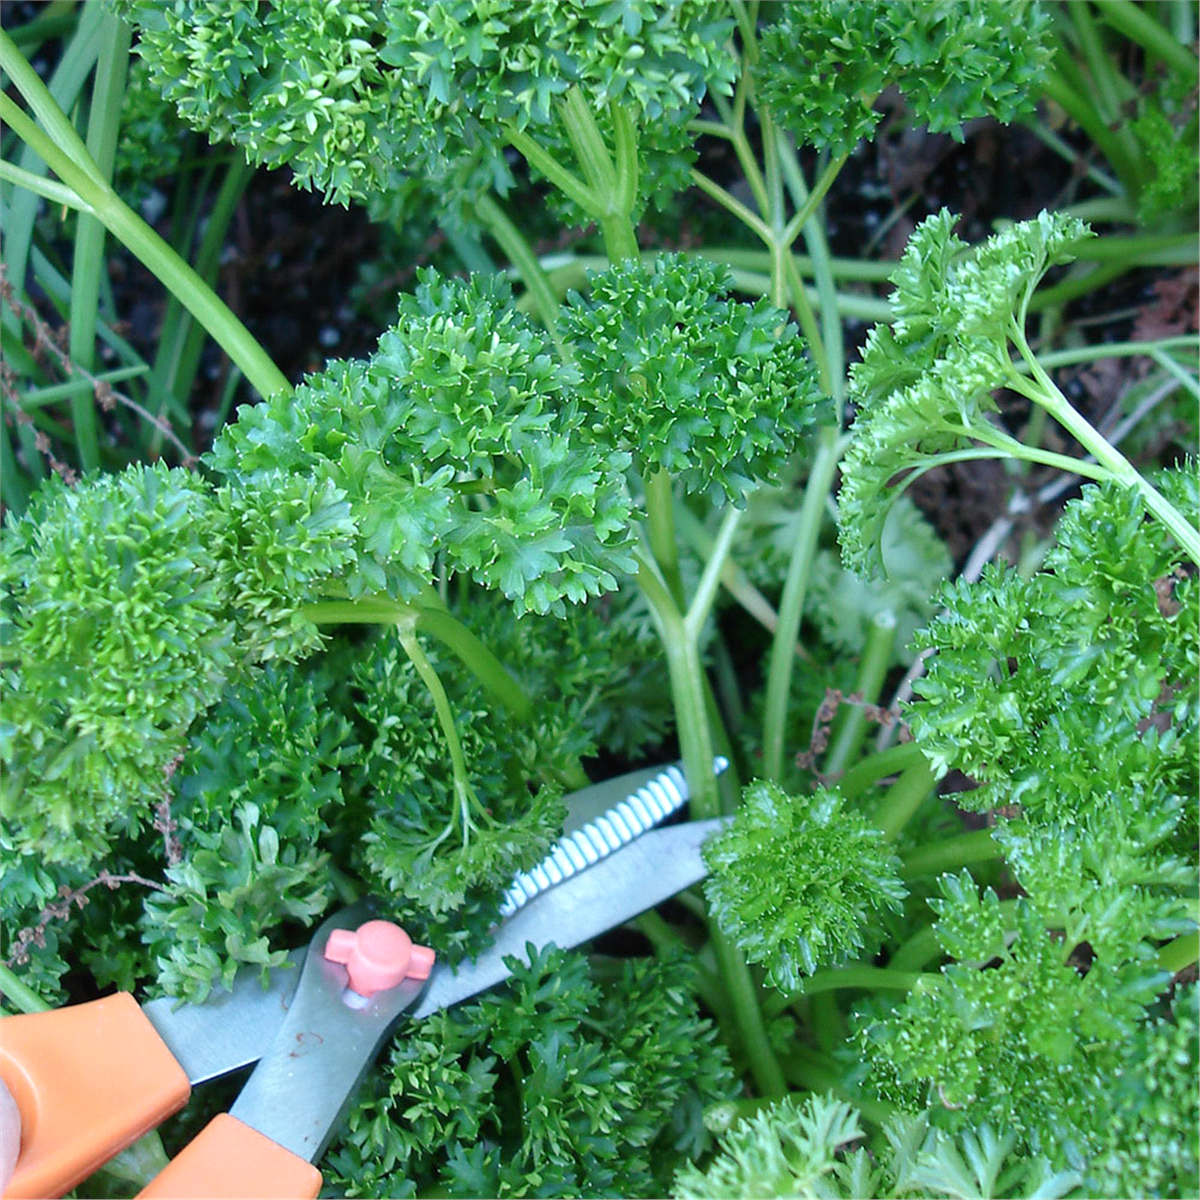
(688, 380)
(798, 882)
(568, 1082)
(812, 1147)
(1072, 697)
(923, 389)
(384, 101)
(462, 437)
(823, 65)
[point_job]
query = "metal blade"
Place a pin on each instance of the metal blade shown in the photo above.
(305, 1082)
(231, 1028)
(642, 874)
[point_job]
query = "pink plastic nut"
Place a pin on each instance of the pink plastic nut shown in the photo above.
(378, 955)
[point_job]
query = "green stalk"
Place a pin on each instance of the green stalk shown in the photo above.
(406, 630)
(1180, 954)
(963, 850)
(878, 766)
(791, 606)
(21, 994)
(660, 530)
(901, 801)
(872, 670)
(566, 182)
(1084, 113)
(859, 976)
(832, 348)
(1090, 438)
(706, 589)
(731, 204)
(155, 254)
(1131, 20)
(686, 676)
(104, 122)
(182, 340)
(438, 623)
(537, 283)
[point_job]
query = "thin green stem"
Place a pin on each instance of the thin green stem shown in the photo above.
(50, 189)
(791, 606)
(142, 241)
(660, 530)
(1084, 113)
(857, 975)
(809, 208)
(1054, 359)
(87, 262)
(851, 726)
(832, 345)
(21, 994)
(569, 184)
(731, 204)
(1180, 954)
(1137, 25)
(878, 766)
(528, 266)
(1092, 440)
(438, 623)
(706, 590)
(406, 630)
(588, 143)
(962, 850)
(182, 344)
(901, 801)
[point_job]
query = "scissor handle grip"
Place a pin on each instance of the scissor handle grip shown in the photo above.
(89, 1080)
(228, 1160)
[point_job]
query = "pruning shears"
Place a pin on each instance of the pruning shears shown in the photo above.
(91, 1078)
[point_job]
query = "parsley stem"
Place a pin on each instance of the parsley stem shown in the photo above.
(851, 725)
(1181, 953)
(439, 623)
(65, 153)
(528, 266)
(706, 590)
(791, 606)
(660, 530)
(1044, 392)
(901, 801)
(877, 766)
(962, 850)
(21, 994)
(406, 630)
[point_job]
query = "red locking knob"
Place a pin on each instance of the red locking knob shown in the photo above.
(378, 955)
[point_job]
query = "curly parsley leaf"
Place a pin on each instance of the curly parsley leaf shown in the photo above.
(798, 881)
(823, 65)
(683, 378)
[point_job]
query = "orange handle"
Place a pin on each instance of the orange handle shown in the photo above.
(228, 1160)
(89, 1081)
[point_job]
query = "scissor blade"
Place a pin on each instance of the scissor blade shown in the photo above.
(231, 1028)
(642, 874)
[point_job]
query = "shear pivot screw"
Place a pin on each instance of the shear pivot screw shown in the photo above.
(378, 955)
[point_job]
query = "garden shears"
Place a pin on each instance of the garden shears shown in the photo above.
(91, 1078)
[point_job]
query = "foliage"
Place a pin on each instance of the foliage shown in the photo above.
(364, 100)
(115, 581)
(797, 880)
(564, 1083)
(234, 879)
(369, 645)
(923, 390)
(715, 391)
(824, 64)
(807, 1148)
